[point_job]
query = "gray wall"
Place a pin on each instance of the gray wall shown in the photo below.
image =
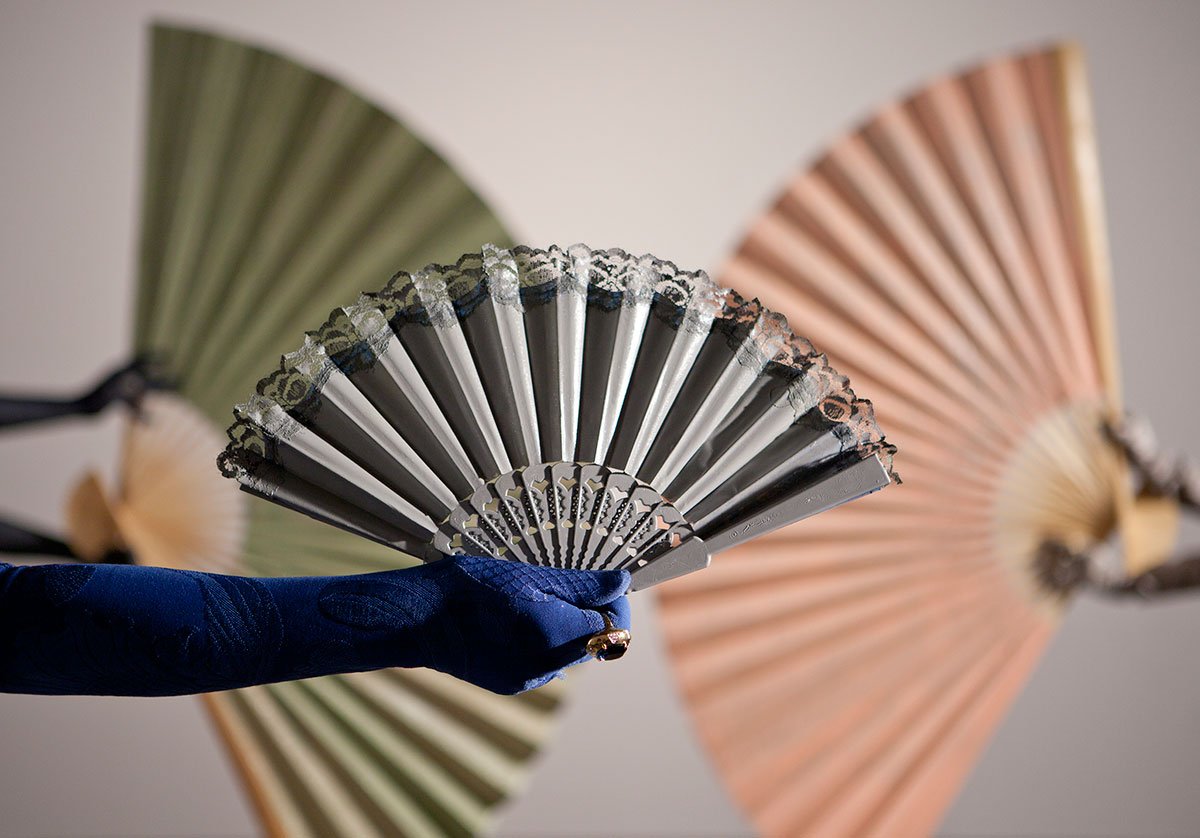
(654, 127)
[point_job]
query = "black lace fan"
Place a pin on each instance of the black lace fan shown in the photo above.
(570, 407)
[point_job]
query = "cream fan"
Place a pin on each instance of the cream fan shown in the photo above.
(950, 257)
(271, 193)
(568, 407)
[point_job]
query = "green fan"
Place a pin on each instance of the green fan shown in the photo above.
(273, 193)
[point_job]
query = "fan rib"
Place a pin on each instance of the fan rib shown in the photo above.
(891, 286)
(868, 685)
(983, 176)
(219, 99)
(918, 800)
(855, 347)
(265, 789)
(767, 738)
(759, 644)
(1014, 131)
(475, 762)
(907, 135)
(402, 374)
(411, 790)
(331, 811)
(872, 744)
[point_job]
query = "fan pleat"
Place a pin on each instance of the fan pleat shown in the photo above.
(311, 777)
(381, 753)
(986, 188)
(767, 763)
(280, 99)
(172, 88)
(908, 720)
(705, 620)
(382, 797)
(960, 249)
(753, 647)
(631, 327)
(283, 183)
(252, 754)
(768, 696)
(474, 769)
(863, 316)
(859, 349)
(896, 291)
(973, 335)
(1013, 129)
(469, 413)
(220, 101)
(845, 672)
(932, 780)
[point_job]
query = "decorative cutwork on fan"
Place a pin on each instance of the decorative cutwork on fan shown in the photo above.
(950, 257)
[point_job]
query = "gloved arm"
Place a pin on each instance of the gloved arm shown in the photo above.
(121, 630)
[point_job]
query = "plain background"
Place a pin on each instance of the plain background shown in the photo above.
(655, 127)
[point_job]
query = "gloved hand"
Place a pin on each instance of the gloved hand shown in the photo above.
(121, 630)
(504, 626)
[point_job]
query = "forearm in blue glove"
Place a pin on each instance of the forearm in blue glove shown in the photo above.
(119, 630)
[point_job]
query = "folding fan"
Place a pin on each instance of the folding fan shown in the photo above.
(271, 193)
(569, 408)
(949, 256)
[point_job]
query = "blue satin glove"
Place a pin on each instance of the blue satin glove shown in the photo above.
(121, 630)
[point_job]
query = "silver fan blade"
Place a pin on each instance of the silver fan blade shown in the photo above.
(726, 391)
(630, 328)
(571, 307)
(680, 358)
(862, 478)
(688, 557)
(402, 376)
(504, 299)
(343, 395)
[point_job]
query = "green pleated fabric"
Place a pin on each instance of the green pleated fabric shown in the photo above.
(272, 195)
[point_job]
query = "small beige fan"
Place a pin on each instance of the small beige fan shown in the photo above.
(168, 509)
(950, 257)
